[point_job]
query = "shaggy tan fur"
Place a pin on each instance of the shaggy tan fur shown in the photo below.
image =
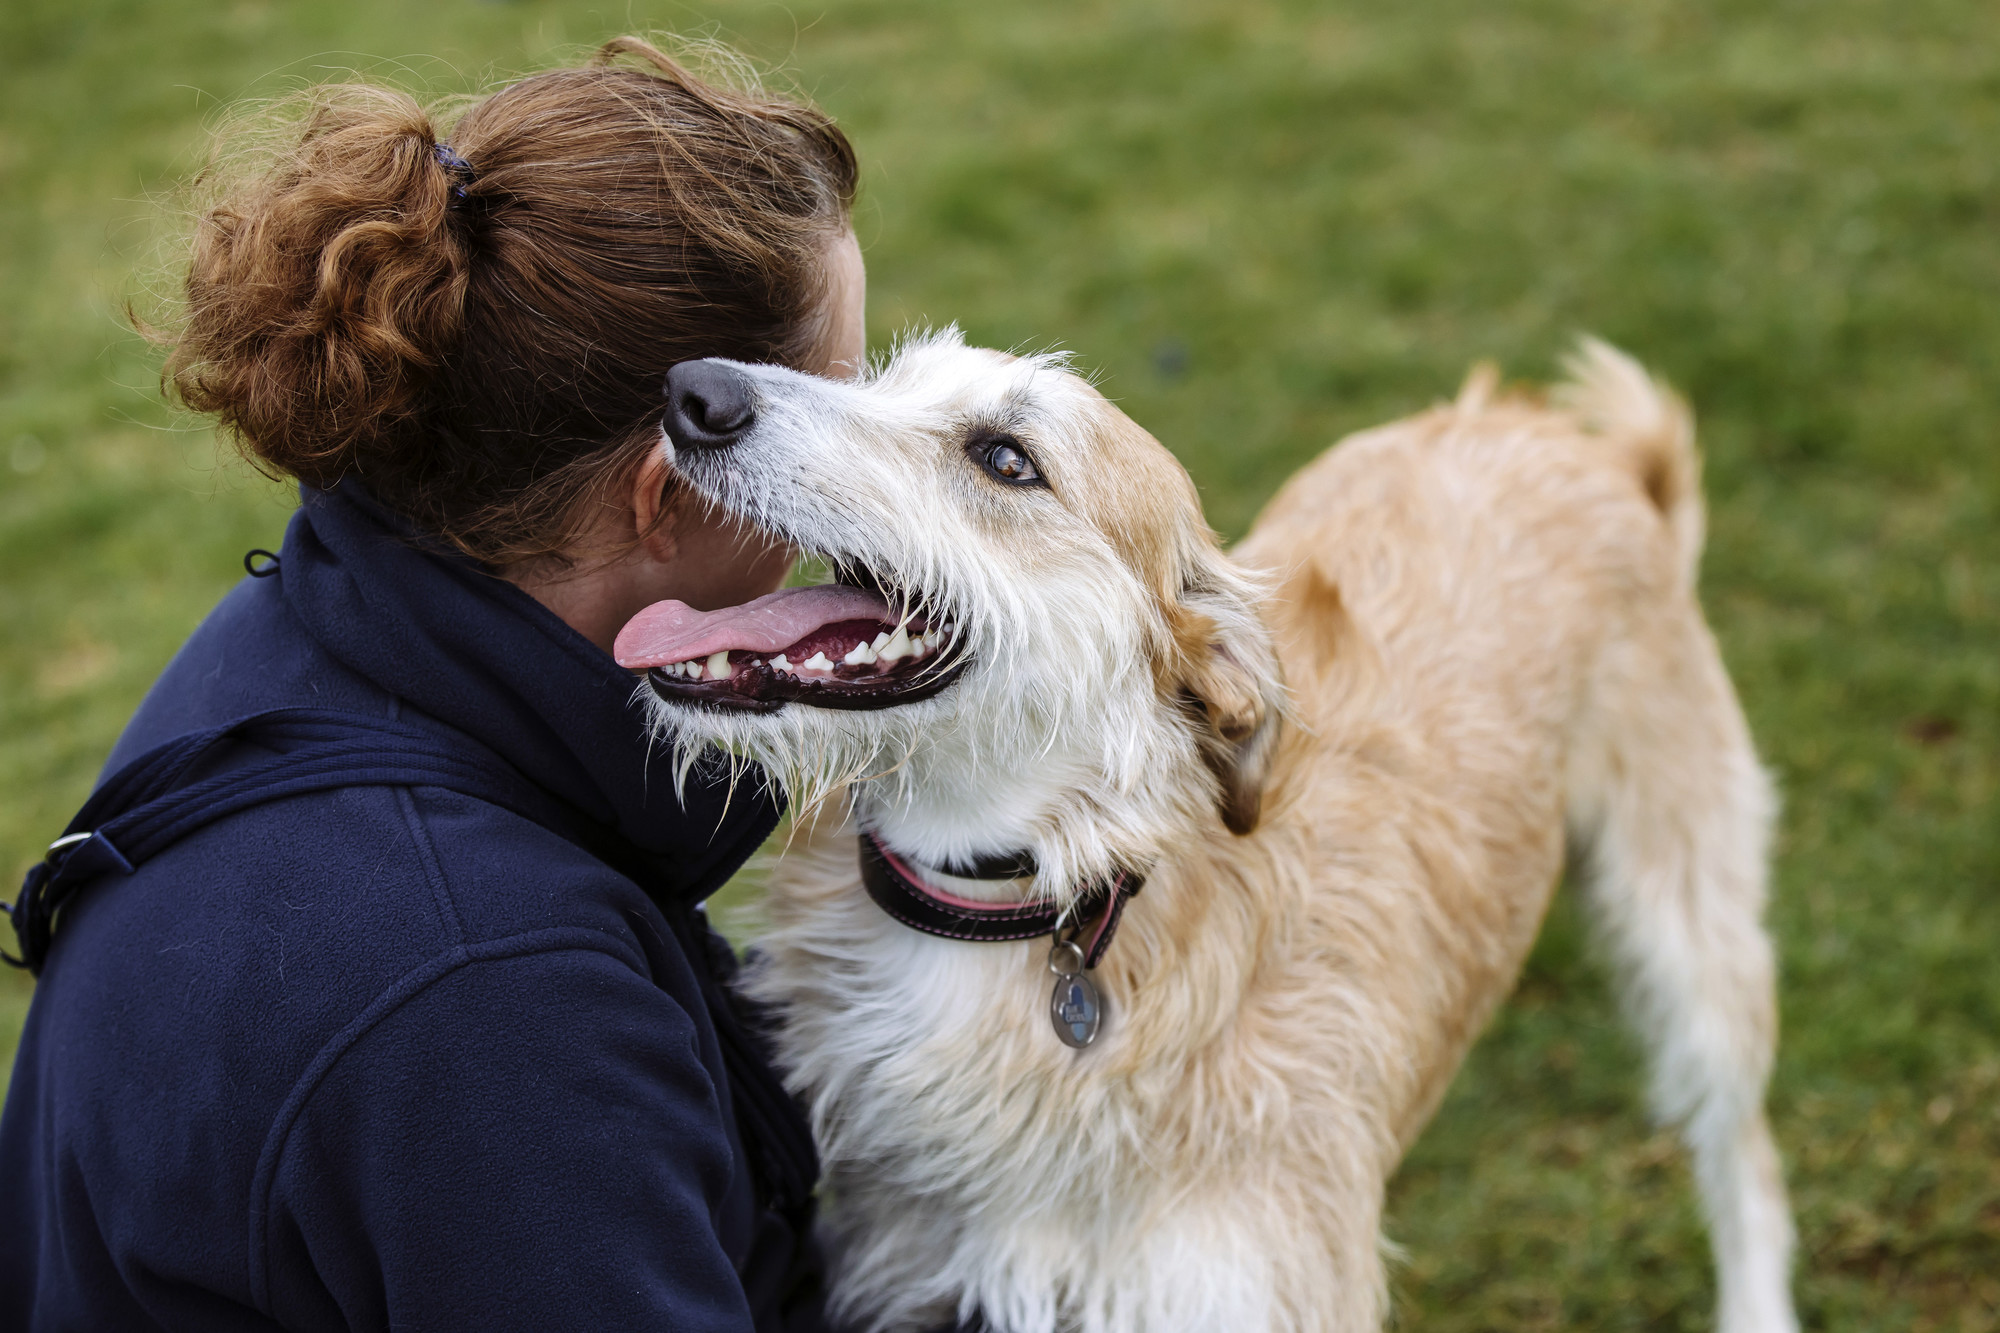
(1486, 622)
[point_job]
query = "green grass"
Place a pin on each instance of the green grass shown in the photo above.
(1265, 224)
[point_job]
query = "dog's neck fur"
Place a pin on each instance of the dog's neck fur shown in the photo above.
(1081, 817)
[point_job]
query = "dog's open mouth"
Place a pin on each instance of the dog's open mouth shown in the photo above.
(831, 646)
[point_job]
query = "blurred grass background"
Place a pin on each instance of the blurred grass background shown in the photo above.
(1266, 223)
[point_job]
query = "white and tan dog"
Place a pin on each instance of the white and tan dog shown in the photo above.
(1485, 626)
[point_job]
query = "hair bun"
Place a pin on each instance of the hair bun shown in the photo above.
(478, 326)
(325, 291)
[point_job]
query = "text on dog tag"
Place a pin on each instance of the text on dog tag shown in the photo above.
(1076, 1010)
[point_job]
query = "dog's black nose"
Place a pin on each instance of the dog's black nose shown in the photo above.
(709, 404)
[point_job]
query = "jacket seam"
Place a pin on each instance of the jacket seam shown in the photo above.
(406, 801)
(441, 896)
(564, 939)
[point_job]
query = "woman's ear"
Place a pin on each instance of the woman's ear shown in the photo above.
(1231, 688)
(653, 486)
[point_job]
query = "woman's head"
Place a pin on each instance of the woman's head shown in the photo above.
(478, 331)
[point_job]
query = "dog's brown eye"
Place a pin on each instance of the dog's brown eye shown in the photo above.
(1008, 461)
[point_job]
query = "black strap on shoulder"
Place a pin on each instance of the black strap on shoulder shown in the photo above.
(156, 800)
(148, 805)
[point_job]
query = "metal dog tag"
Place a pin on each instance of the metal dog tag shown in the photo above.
(1074, 1007)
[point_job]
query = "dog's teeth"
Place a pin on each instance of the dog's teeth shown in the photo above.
(692, 670)
(718, 665)
(817, 662)
(880, 639)
(779, 663)
(861, 655)
(897, 648)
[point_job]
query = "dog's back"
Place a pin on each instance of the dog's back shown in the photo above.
(1491, 608)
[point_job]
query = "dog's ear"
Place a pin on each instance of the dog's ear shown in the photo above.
(1229, 685)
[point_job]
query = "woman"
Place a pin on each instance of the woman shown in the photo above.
(445, 1052)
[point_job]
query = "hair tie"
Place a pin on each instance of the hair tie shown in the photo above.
(457, 168)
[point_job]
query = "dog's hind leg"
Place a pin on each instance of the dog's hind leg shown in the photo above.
(1671, 813)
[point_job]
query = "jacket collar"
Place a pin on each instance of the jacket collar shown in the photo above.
(436, 630)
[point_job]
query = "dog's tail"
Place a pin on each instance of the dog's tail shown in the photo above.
(1614, 397)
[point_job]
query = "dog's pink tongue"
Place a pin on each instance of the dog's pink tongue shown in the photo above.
(674, 631)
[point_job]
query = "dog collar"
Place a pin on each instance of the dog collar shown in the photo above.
(1075, 1009)
(900, 892)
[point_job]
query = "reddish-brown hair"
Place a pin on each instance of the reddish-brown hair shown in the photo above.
(484, 347)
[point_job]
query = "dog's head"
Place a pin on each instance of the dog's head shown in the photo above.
(1033, 639)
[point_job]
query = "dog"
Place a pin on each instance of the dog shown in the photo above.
(1322, 789)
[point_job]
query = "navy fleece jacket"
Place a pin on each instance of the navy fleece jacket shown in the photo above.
(390, 1057)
